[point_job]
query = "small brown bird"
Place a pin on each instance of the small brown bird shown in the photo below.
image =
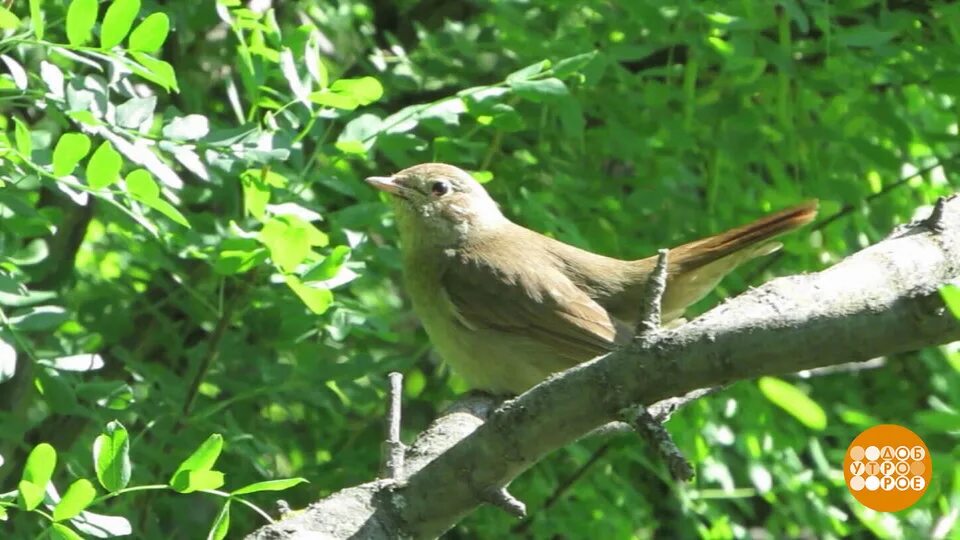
(507, 306)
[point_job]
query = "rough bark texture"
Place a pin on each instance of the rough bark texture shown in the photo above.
(880, 301)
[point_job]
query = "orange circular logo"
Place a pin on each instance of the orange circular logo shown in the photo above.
(887, 468)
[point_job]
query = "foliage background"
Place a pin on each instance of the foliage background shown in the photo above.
(678, 121)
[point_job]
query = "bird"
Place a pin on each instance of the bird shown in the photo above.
(506, 306)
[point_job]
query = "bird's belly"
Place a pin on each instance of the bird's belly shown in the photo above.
(487, 358)
(495, 361)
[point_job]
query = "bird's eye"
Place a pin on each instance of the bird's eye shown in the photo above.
(439, 188)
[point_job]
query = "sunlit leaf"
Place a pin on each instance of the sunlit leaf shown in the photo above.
(59, 531)
(318, 300)
(36, 474)
(39, 318)
(77, 498)
(204, 457)
(36, 19)
(187, 128)
(951, 297)
(150, 34)
(221, 525)
(7, 19)
(81, 16)
(76, 362)
(111, 457)
(70, 149)
(196, 480)
(117, 22)
(269, 485)
(21, 135)
(794, 401)
(8, 362)
(17, 72)
(103, 169)
(136, 111)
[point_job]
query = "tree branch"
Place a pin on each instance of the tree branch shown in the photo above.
(880, 301)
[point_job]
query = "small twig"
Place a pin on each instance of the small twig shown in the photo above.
(935, 221)
(502, 499)
(392, 464)
(564, 486)
(653, 299)
(664, 409)
(653, 431)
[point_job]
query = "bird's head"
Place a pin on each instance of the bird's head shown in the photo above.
(438, 204)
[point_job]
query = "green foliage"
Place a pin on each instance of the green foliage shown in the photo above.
(187, 246)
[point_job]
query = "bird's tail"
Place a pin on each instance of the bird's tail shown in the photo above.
(695, 268)
(753, 235)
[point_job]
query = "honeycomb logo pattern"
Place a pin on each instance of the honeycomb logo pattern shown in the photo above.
(887, 468)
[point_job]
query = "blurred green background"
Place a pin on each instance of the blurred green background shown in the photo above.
(186, 245)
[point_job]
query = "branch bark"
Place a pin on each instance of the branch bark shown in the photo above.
(880, 301)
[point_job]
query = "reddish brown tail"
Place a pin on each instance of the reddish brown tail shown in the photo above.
(700, 252)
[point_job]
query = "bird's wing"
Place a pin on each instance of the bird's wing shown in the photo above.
(512, 296)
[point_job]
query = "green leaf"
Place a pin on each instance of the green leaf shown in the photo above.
(721, 46)
(221, 525)
(155, 70)
(103, 169)
(794, 401)
(238, 255)
(951, 297)
(315, 65)
(365, 90)
(572, 64)
(21, 135)
(169, 211)
(316, 299)
(327, 98)
(528, 72)
(194, 480)
(59, 531)
(31, 495)
(288, 246)
(550, 89)
(81, 16)
(117, 22)
(70, 149)
(39, 318)
(330, 266)
(150, 34)
(8, 21)
(269, 485)
(256, 192)
(111, 457)
(36, 19)
(348, 94)
(143, 188)
(204, 457)
(864, 35)
(36, 474)
(77, 498)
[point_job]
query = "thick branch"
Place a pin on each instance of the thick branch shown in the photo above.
(880, 301)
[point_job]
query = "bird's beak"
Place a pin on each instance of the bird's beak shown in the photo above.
(385, 183)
